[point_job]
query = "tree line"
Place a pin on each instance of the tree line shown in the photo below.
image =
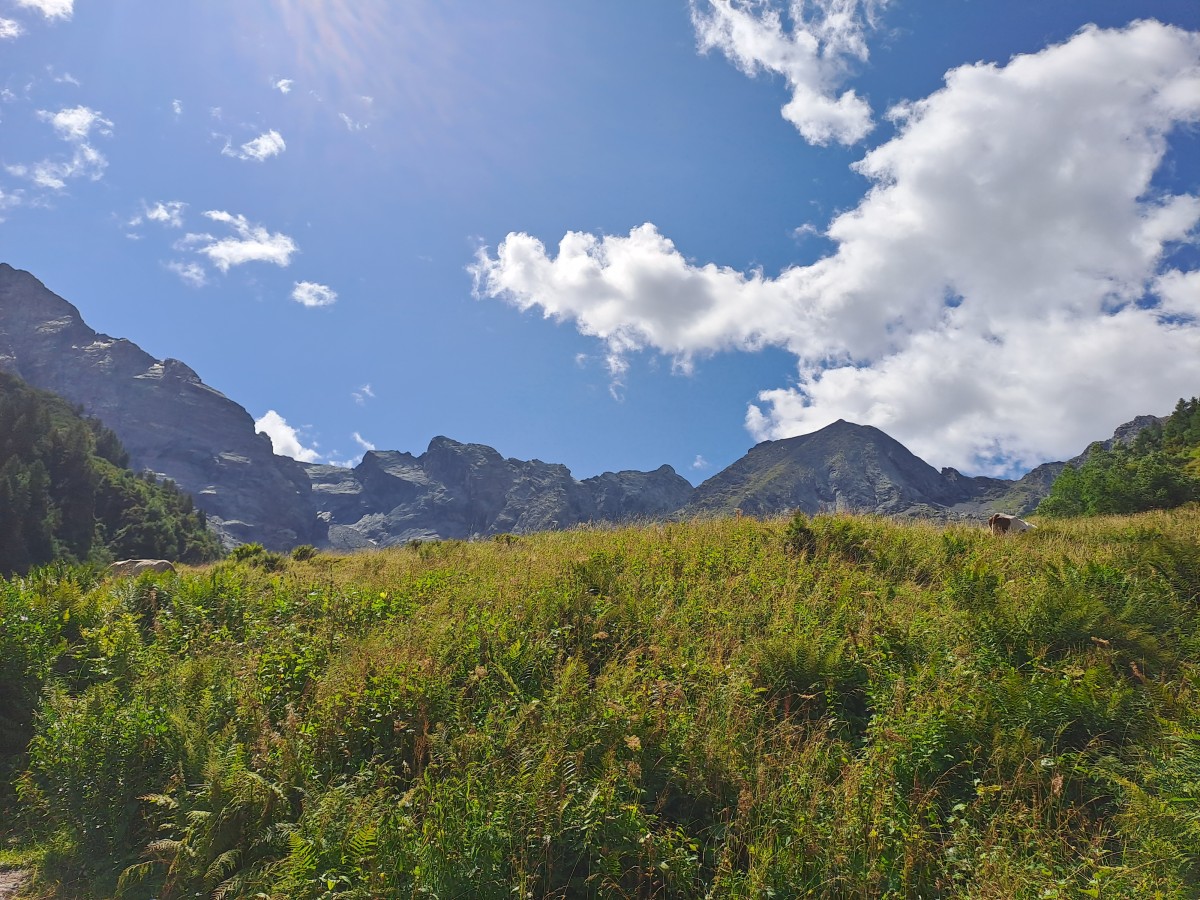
(1160, 469)
(67, 493)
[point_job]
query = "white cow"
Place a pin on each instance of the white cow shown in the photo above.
(1002, 523)
(139, 567)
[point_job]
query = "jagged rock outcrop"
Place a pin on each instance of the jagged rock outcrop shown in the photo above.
(456, 490)
(167, 418)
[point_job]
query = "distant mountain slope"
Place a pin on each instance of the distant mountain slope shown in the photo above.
(456, 490)
(859, 468)
(65, 492)
(167, 418)
(843, 466)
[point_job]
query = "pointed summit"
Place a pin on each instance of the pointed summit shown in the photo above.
(843, 466)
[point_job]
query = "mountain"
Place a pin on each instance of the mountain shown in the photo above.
(855, 468)
(456, 490)
(858, 468)
(175, 425)
(169, 421)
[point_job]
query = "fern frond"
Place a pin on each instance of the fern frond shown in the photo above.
(223, 865)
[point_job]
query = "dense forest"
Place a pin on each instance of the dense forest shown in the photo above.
(67, 494)
(1159, 470)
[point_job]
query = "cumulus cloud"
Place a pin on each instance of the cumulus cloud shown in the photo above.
(700, 463)
(309, 293)
(284, 438)
(190, 273)
(362, 442)
(51, 9)
(261, 148)
(363, 394)
(283, 85)
(1001, 281)
(10, 29)
(177, 108)
(250, 243)
(812, 47)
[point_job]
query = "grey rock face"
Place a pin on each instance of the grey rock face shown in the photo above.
(458, 491)
(167, 418)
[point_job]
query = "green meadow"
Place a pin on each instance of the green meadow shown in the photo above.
(836, 707)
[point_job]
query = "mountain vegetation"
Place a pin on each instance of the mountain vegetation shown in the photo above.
(836, 706)
(66, 494)
(1159, 469)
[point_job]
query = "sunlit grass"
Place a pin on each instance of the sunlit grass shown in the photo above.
(834, 707)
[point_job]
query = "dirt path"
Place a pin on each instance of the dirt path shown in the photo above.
(11, 881)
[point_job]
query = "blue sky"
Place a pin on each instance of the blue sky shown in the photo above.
(617, 234)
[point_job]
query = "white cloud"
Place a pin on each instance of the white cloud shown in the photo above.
(190, 273)
(813, 55)
(8, 201)
(76, 124)
(1180, 294)
(700, 462)
(177, 108)
(353, 124)
(169, 214)
(283, 85)
(261, 148)
(252, 243)
(10, 29)
(309, 293)
(997, 289)
(363, 394)
(362, 442)
(284, 437)
(51, 9)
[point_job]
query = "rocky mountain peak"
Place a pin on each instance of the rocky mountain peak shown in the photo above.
(168, 419)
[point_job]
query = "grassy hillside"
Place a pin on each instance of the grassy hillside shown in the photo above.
(835, 707)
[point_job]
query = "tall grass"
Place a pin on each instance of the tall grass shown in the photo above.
(828, 707)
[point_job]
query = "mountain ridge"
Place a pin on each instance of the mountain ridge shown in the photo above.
(174, 424)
